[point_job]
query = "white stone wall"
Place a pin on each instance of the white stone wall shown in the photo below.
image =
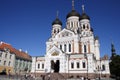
(100, 70)
(97, 49)
(106, 64)
(33, 64)
(91, 66)
(73, 23)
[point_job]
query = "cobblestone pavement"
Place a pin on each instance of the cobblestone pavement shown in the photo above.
(38, 78)
(6, 77)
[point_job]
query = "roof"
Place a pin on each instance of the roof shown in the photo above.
(84, 16)
(105, 57)
(19, 54)
(57, 21)
(73, 13)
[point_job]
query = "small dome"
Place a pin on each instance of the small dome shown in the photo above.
(73, 13)
(84, 16)
(91, 29)
(57, 21)
(96, 38)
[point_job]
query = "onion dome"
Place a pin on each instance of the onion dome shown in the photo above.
(73, 13)
(57, 21)
(84, 16)
(91, 29)
(96, 38)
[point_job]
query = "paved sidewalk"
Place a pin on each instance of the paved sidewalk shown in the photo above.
(6, 77)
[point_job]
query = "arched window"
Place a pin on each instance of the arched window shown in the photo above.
(61, 47)
(65, 47)
(87, 26)
(9, 63)
(72, 65)
(85, 49)
(6, 55)
(71, 24)
(38, 66)
(78, 65)
(54, 31)
(4, 62)
(103, 67)
(42, 65)
(84, 65)
(83, 26)
(69, 47)
(58, 30)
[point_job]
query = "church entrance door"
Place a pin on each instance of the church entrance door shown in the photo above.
(55, 65)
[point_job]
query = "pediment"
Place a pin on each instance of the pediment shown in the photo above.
(65, 33)
(54, 51)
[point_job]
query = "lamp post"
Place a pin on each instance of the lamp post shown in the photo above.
(35, 66)
(68, 64)
(87, 64)
(100, 71)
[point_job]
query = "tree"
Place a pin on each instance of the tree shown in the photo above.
(115, 66)
(115, 63)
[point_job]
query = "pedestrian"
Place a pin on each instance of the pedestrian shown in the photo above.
(49, 77)
(43, 77)
(9, 74)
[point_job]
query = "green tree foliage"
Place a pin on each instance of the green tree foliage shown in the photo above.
(115, 66)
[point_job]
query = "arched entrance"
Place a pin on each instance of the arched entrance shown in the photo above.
(55, 65)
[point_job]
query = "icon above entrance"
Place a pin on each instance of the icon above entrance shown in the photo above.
(55, 54)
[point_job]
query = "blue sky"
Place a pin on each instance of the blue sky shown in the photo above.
(26, 24)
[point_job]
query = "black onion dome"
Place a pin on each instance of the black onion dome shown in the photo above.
(57, 21)
(96, 37)
(73, 13)
(91, 29)
(84, 16)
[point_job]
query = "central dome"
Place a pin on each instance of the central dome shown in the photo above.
(73, 13)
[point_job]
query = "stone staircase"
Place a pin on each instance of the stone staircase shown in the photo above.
(54, 76)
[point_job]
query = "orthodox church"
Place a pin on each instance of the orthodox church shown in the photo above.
(73, 51)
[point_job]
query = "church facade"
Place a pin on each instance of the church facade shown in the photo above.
(72, 51)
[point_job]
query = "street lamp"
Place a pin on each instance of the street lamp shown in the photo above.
(87, 63)
(68, 64)
(100, 71)
(35, 67)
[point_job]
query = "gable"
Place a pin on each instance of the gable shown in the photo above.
(54, 51)
(65, 33)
